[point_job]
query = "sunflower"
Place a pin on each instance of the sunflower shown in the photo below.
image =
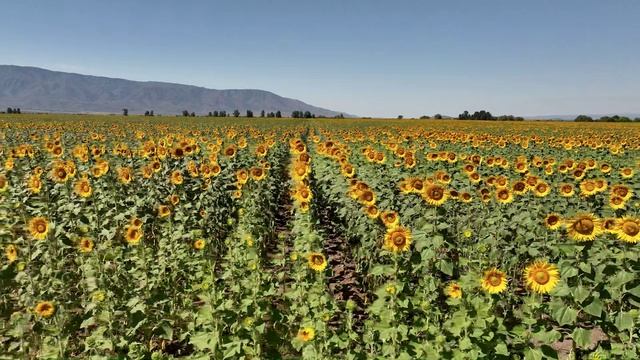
(39, 227)
(11, 252)
(367, 197)
(82, 187)
(626, 173)
(59, 173)
(124, 175)
(34, 184)
(453, 290)
(164, 211)
(390, 219)
(628, 230)
(306, 334)
(258, 173)
(317, 261)
(622, 191)
(133, 235)
(566, 190)
(541, 276)
(85, 245)
(372, 211)
(4, 183)
(199, 244)
(542, 189)
(616, 202)
(504, 196)
(397, 239)
(136, 222)
(465, 197)
(552, 221)
(588, 188)
(494, 281)
(45, 309)
(242, 176)
(176, 177)
(584, 227)
(435, 194)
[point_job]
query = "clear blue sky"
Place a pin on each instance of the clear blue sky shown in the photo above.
(364, 57)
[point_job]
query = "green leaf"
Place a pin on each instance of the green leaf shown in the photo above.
(565, 315)
(624, 321)
(582, 337)
(446, 267)
(594, 308)
(635, 291)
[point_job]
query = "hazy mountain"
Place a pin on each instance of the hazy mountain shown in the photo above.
(35, 89)
(573, 116)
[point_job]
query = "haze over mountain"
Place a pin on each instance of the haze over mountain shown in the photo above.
(36, 89)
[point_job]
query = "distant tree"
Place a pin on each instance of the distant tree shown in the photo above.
(425, 117)
(478, 115)
(9, 110)
(185, 112)
(437, 116)
(249, 113)
(125, 112)
(400, 116)
(17, 111)
(223, 113)
(262, 113)
(308, 115)
(236, 113)
(636, 119)
(151, 113)
(583, 118)
(193, 114)
(340, 116)
(210, 114)
(146, 113)
(278, 114)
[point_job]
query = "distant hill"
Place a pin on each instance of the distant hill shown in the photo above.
(36, 89)
(573, 116)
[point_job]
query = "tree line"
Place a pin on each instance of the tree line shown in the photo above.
(486, 115)
(614, 118)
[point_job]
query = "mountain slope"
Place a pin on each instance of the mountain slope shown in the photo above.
(31, 88)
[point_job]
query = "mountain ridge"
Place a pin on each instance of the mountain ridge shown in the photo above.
(43, 90)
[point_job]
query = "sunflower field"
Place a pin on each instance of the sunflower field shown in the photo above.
(219, 238)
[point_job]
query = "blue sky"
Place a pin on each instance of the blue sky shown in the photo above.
(376, 58)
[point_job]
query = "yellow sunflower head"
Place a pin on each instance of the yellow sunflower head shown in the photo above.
(83, 188)
(39, 227)
(11, 253)
(317, 261)
(435, 194)
(390, 219)
(133, 235)
(306, 334)
(504, 196)
(45, 309)
(453, 290)
(628, 230)
(176, 177)
(553, 221)
(164, 211)
(494, 281)
(85, 245)
(584, 227)
(397, 240)
(199, 244)
(541, 276)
